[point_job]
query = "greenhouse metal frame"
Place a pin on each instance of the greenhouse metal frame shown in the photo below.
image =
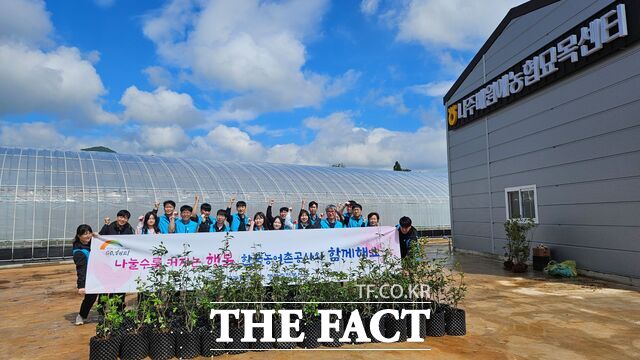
(46, 194)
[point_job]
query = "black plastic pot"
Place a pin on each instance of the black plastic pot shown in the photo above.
(381, 326)
(311, 330)
(335, 334)
(436, 324)
(134, 346)
(103, 348)
(187, 343)
(422, 330)
(208, 344)
(260, 345)
(161, 345)
(237, 333)
(354, 337)
(393, 325)
(456, 322)
(277, 332)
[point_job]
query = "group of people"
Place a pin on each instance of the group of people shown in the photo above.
(347, 215)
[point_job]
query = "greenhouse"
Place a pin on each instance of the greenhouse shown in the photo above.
(46, 194)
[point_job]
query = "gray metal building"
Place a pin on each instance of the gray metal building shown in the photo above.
(560, 142)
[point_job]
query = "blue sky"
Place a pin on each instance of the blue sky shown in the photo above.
(307, 82)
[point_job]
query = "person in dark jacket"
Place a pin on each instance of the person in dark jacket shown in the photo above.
(303, 220)
(119, 227)
(407, 234)
(285, 216)
(219, 225)
(81, 251)
(205, 222)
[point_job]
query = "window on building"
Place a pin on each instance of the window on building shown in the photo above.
(521, 202)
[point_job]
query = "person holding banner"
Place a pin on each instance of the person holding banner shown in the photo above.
(81, 250)
(331, 222)
(238, 221)
(148, 224)
(407, 234)
(186, 225)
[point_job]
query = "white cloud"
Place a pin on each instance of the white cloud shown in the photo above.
(227, 143)
(338, 140)
(433, 89)
(256, 129)
(453, 24)
(250, 48)
(369, 7)
(59, 82)
(394, 101)
(158, 76)
(34, 134)
(37, 77)
(49, 135)
(160, 107)
(163, 138)
(25, 21)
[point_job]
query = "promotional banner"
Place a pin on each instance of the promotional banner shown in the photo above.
(117, 261)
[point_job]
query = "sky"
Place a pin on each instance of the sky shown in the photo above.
(317, 82)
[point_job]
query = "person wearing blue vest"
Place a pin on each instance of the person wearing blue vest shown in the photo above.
(219, 225)
(355, 219)
(164, 220)
(186, 225)
(332, 221)
(81, 251)
(314, 219)
(239, 220)
(258, 223)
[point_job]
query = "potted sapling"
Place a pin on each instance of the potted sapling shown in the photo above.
(186, 279)
(160, 294)
(437, 281)
(518, 247)
(209, 294)
(106, 344)
(135, 344)
(280, 285)
(456, 319)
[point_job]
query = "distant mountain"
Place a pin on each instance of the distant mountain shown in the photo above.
(99, 149)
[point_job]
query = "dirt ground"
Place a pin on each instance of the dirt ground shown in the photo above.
(508, 317)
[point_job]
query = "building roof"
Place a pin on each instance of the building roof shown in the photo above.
(514, 13)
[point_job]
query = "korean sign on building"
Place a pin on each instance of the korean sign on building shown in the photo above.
(117, 262)
(613, 28)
